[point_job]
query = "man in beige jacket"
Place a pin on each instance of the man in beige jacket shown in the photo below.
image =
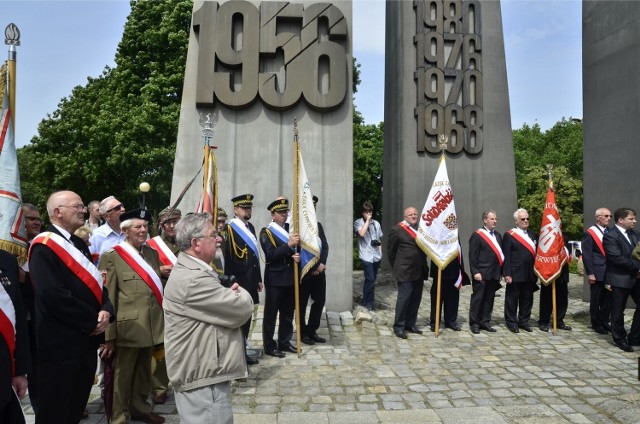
(203, 341)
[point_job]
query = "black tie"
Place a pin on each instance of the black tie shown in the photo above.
(606, 230)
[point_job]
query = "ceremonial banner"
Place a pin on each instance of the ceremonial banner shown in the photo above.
(310, 244)
(209, 199)
(13, 237)
(551, 254)
(438, 223)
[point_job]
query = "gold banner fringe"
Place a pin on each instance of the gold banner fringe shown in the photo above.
(15, 249)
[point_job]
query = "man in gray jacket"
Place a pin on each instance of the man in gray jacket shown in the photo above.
(203, 341)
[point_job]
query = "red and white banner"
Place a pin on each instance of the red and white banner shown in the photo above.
(438, 224)
(551, 254)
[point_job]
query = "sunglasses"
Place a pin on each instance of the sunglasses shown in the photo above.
(116, 208)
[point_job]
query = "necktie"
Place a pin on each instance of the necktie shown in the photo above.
(606, 230)
(491, 232)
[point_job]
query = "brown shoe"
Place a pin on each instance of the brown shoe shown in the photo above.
(160, 399)
(149, 418)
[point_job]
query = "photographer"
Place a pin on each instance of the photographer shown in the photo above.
(369, 234)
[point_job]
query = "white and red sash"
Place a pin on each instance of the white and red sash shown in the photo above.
(409, 229)
(597, 235)
(524, 240)
(73, 259)
(141, 267)
(166, 255)
(8, 324)
(493, 244)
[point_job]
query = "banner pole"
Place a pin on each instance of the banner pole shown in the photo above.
(296, 226)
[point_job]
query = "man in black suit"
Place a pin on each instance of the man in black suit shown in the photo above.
(72, 312)
(15, 362)
(410, 269)
(622, 274)
(314, 285)
(281, 256)
(453, 278)
(485, 261)
(519, 248)
(595, 261)
(241, 255)
(562, 297)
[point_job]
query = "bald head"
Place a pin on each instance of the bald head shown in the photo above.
(66, 210)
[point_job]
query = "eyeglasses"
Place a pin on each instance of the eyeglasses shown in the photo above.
(116, 208)
(524, 219)
(214, 235)
(605, 216)
(33, 218)
(79, 207)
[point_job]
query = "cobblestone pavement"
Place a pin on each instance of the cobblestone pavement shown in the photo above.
(364, 374)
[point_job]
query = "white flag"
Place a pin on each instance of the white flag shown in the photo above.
(438, 229)
(310, 244)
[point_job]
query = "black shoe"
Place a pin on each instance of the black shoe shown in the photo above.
(251, 361)
(318, 339)
(600, 330)
(400, 334)
(475, 329)
(308, 340)
(634, 342)
(624, 346)
(513, 329)
(607, 328)
(526, 328)
(454, 327)
(488, 328)
(274, 352)
(432, 328)
(414, 330)
(544, 327)
(287, 347)
(564, 327)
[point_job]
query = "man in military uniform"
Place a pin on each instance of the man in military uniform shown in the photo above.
(280, 255)
(133, 280)
(314, 285)
(241, 255)
(222, 223)
(165, 245)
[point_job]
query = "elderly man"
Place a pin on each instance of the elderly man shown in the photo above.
(410, 269)
(485, 261)
(72, 312)
(14, 343)
(133, 280)
(241, 254)
(165, 245)
(280, 255)
(519, 247)
(203, 340)
(595, 261)
(622, 273)
(108, 234)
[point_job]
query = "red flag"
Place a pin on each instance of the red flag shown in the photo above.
(551, 254)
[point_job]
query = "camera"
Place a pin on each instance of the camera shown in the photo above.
(376, 243)
(227, 280)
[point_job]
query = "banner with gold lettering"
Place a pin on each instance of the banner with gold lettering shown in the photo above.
(551, 254)
(438, 223)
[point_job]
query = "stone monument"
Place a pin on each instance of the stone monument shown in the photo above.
(257, 66)
(446, 74)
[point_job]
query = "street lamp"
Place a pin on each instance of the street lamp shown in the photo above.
(144, 189)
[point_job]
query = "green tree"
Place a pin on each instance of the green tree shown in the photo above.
(561, 147)
(119, 129)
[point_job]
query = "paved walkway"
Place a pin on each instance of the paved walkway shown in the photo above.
(364, 374)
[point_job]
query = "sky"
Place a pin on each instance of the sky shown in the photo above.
(64, 42)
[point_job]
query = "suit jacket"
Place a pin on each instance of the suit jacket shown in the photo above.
(324, 254)
(408, 261)
(21, 355)
(482, 258)
(518, 260)
(66, 309)
(622, 269)
(239, 260)
(450, 273)
(140, 321)
(594, 261)
(279, 257)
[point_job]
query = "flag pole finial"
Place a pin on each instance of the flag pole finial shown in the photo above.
(295, 129)
(443, 140)
(208, 123)
(550, 174)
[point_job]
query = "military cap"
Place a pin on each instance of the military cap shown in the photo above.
(164, 212)
(137, 214)
(315, 200)
(278, 205)
(243, 201)
(222, 212)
